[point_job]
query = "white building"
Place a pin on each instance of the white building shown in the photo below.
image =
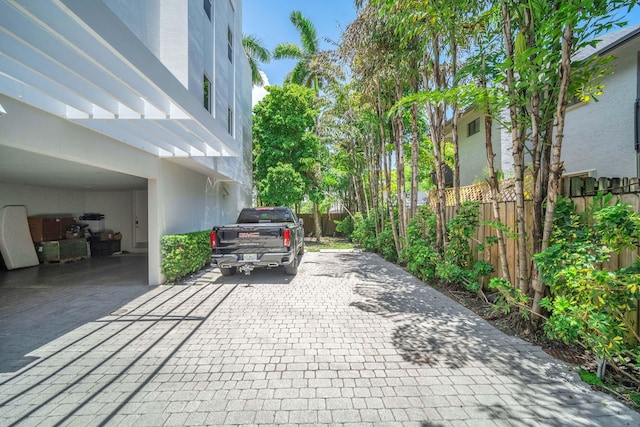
(601, 138)
(106, 111)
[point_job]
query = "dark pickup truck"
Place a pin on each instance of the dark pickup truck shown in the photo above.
(262, 237)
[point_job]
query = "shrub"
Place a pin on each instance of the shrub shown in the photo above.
(419, 254)
(386, 245)
(364, 232)
(183, 254)
(587, 303)
(345, 227)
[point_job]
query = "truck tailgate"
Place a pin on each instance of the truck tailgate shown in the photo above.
(241, 238)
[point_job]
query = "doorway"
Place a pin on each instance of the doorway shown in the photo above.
(140, 222)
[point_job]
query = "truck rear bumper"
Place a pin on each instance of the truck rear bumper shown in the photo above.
(265, 260)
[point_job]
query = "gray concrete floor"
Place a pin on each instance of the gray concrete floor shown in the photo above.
(39, 304)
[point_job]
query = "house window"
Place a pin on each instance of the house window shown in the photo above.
(230, 44)
(473, 127)
(230, 121)
(207, 8)
(207, 92)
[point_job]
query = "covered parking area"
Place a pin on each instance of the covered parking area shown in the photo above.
(92, 121)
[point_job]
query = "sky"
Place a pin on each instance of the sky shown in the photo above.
(269, 21)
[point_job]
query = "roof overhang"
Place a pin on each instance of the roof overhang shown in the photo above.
(75, 59)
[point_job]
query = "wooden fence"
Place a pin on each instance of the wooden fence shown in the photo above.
(508, 213)
(327, 221)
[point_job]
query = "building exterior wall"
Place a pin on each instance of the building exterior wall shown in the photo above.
(599, 136)
(473, 157)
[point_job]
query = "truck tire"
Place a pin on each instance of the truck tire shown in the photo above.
(228, 271)
(292, 269)
(301, 249)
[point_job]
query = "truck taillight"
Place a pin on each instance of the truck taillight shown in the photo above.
(213, 239)
(287, 237)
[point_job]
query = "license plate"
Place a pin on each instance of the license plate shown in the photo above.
(250, 257)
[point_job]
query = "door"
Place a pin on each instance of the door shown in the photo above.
(140, 222)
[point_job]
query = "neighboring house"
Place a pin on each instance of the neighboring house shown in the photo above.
(139, 110)
(600, 137)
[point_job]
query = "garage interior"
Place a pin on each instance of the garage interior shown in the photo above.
(40, 303)
(48, 186)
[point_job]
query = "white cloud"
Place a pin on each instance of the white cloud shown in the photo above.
(259, 92)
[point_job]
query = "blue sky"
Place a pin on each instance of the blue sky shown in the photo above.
(269, 20)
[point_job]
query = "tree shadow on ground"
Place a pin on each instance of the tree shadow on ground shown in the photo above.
(433, 331)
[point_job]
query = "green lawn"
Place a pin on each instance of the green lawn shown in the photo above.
(328, 243)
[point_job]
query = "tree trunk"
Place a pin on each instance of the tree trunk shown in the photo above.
(415, 155)
(316, 222)
(556, 167)
(456, 157)
(401, 193)
(387, 176)
(518, 155)
(494, 184)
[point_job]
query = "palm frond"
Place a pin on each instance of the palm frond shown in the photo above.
(299, 74)
(307, 30)
(256, 53)
(287, 51)
(254, 48)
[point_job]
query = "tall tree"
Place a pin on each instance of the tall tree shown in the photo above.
(256, 53)
(310, 72)
(282, 136)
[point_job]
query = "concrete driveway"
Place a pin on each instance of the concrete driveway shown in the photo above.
(350, 340)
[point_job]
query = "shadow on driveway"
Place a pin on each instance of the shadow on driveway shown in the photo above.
(39, 304)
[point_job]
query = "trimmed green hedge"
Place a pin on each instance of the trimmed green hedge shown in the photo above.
(185, 253)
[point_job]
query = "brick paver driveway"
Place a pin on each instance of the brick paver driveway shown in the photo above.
(350, 340)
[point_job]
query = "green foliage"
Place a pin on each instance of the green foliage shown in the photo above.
(283, 186)
(419, 254)
(364, 232)
(283, 124)
(509, 296)
(588, 304)
(386, 245)
(345, 227)
(183, 254)
(457, 265)
(590, 378)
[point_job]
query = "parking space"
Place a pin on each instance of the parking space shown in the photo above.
(40, 304)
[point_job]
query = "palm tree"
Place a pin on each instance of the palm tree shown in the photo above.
(308, 72)
(256, 53)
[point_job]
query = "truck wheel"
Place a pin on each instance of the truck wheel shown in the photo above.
(302, 249)
(292, 269)
(228, 271)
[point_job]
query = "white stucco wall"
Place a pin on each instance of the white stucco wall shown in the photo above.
(599, 136)
(142, 18)
(117, 206)
(473, 156)
(42, 200)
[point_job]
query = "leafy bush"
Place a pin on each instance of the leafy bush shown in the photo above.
(419, 254)
(364, 232)
(386, 245)
(183, 254)
(588, 304)
(345, 227)
(457, 265)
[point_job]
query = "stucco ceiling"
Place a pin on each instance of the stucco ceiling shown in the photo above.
(27, 168)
